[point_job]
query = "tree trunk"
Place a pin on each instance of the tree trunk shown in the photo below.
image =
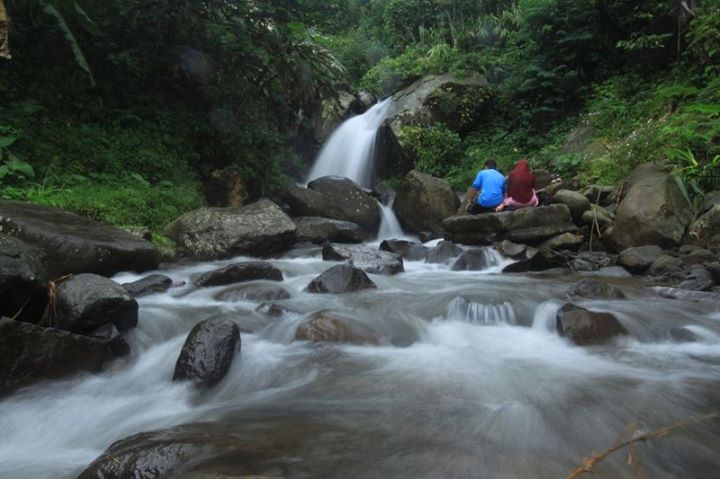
(4, 32)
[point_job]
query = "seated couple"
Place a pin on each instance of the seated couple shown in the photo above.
(492, 192)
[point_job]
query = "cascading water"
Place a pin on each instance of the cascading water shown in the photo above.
(349, 151)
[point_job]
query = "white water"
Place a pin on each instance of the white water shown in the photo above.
(389, 225)
(349, 151)
(470, 380)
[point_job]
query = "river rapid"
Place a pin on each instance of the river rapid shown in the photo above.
(470, 381)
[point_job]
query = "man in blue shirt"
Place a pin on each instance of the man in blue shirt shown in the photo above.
(488, 190)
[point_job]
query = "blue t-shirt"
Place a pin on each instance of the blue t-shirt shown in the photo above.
(491, 185)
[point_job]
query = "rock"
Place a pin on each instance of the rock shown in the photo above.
(113, 338)
(391, 158)
(339, 279)
(366, 99)
(591, 261)
(598, 194)
(367, 259)
(699, 279)
(526, 225)
(444, 251)
(577, 203)
(226, 187)
(699, 256)
(87, 301)
(639, 258)
(423, 202)
(474, 259)
(23, 280)
(593, 289)
(424, 103)
(154, 283)
(383, 192)
(253, 292)
(565, 241)
(664, 265)
(276, 309)
(333, 111)
(597, 213)
(653, 211)
(585, 327)
(208, 351)
(239, 272)
(334, 327)
(248, 322)
(682, 335)
(257, 229)
(29, 353)
(408, 250)
(543, 178)
(511, 250)
(425, 236)
(709, 298)
(611, 272)
(72, 244)
(539, 259)
(318, 230)
(711, 199)
(705, 231)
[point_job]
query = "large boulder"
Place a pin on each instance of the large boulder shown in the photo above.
(318, 230)
(654, 211)
(72, 244)
(585, 327)
(335, 198)
(443, 252)
(474, 259)
(239, 272)
(409, 250)
(334, 327)
(705, 231)
(258, 229)
(29, 353)
(639, 258)
(699, 279)
(423, 202)
(577, 203)
(23, 280)
(151, 284)
(526, 225)
(333, 111)
(456, 103)
(367, 259)
(208, 351)
(593, 289)
(341, 278)
(253, 292)
(87, 301)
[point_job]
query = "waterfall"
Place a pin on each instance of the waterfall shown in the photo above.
(350, 150)
(479, 313)
(389, 225)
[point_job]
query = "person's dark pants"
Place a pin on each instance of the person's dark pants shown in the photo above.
(476, 209)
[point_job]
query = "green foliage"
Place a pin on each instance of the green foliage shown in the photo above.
(435, 149)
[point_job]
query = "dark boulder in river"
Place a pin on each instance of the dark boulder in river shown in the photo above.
(73, 244)
(341, 278)
(253, 292)
(208, 351)
(29, 353)
(154, 283)
(88, 301)
(585, 327)
(23, 280)
(367, 259)
(594, 289)
(423, 202)
(239, 272)
(257, 229)
(409, 250)
(318, 230)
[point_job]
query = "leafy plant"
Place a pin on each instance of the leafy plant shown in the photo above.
(10, 165)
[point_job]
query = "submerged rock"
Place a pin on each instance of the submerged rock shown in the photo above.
(444, 251)
(423, 202)
(594, 289)
(334, 327)
(253, 292)
(474, 259)
(367, 259)
(585, 327)
(408, 250)
(73, 244)
(341, 278)
(318, 230)
(239, 272)
(154, 283)
(208, 351)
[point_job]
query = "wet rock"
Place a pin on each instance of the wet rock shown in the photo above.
(705, 231)
(577, 203)
(248, 322)
(591, 261)
(474, 259)
(29, 353)
(565, 241)
(334, 327)
(339, 279)
(611, 272)
(383, 192)
(366, 99)
(537, 259)
(709, 298)
(73, 244)
(511, 250)
(208, 351)
(154, 283)
(253, 292)
(699, 279)
(257, 229)
(277, 309)
(344, 200)
(597, 214)
(367, 259)
(639, 258)
(585, 327)
(318, 230)
(443, 252)
(423, 202)
(425, 236)
(653, 211)
(239, 272)
(526, 225)
(711, 199)
(408, 250)
(87, 301)
(23, 280)
(594, 289)
(664, 265)
(682, 335)
(699, 256)
(113, 338)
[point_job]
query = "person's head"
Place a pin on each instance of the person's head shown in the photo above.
(523, 165)
(490, 165)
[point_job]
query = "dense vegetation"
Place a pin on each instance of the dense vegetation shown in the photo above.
(121, 109)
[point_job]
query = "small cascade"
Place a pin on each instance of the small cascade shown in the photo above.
(389, 225)
(350, 150)
(478, 313)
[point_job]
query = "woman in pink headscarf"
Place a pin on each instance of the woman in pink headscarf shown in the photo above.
(520, 188)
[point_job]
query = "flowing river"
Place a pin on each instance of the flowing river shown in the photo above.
(470, 380)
